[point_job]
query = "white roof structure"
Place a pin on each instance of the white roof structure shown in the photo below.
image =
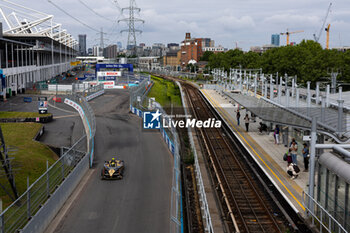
(24, 21)
(192, 62)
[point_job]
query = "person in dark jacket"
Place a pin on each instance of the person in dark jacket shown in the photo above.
(246, 120)
(238, 116)
(306, 156)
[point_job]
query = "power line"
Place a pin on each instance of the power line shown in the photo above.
(76, 19)
(116, 4)
(95, 11)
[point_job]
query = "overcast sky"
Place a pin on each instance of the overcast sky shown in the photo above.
(247, 22)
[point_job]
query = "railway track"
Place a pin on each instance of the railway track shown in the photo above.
(247, 208)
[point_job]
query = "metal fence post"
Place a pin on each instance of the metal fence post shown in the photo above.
(47, 179)
(2, 222)
(62, 168)
(28, 199)
(312, 162)
(308, 99)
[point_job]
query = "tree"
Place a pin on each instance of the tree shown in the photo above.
(307, 60)
(206, 55)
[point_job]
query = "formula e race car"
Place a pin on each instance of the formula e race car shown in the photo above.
(113, 169)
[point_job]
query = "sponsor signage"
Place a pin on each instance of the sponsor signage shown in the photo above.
(106, 84)
(75, 63)
(115, 66)
(42, 108)
(91, 76)
(109, 73)
(75, 106)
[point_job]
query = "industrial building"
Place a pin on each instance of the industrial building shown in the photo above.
(191, 49)
(172, 60)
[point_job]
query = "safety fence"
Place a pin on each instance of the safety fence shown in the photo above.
(138, 95)
(93, 91)
(87, 115)
(199, 180)
(16, 216)
(35, 198)
(320, 217)
(171, 73)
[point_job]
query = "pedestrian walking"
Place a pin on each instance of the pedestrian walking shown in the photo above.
(306, 156)
(291, 171)
(276, 134)
(294, 151)
(238, 116)
(246, 120)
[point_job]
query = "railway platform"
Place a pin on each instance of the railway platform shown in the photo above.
(263, 149)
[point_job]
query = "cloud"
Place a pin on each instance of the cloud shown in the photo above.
(232, 23)
(293, 20)
(251, 22)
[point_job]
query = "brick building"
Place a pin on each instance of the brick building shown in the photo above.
(191, 49)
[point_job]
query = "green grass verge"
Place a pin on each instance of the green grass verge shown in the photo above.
(30, 157)
(22, 114)
(165, 92)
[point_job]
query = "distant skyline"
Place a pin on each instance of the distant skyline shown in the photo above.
(247, 22)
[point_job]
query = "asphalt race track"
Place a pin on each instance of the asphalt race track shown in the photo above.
(141, 201)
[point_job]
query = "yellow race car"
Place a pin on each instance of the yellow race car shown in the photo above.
(112, 169)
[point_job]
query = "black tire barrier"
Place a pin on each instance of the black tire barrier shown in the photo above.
(44, 119)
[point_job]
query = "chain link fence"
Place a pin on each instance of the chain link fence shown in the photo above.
(15, 217)
(88, 116)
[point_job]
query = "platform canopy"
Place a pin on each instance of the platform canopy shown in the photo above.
(296, 117)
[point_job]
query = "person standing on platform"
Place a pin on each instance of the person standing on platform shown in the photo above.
(294, 151)
(246, 120)
(238, 116)
(306, 156)
(276, 135)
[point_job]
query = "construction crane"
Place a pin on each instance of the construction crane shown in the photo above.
(327, 30)
(288, 34)
(317, 38)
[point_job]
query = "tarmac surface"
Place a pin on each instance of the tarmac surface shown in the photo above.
(140, 202)
(66, 127)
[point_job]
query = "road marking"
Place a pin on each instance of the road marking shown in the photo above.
(66, 116)
(61, 109)
(230, 123)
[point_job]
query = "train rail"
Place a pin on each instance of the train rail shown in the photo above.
(246, 205)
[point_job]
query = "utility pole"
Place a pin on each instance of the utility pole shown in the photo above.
(130, 21)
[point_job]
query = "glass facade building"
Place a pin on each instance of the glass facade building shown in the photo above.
(275, 39)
